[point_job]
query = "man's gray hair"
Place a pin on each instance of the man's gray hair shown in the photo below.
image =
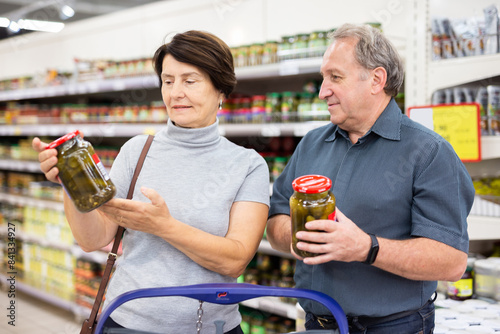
(374, 50)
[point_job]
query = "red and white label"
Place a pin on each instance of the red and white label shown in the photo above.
(100, 166)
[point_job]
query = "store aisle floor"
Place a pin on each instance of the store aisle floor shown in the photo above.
(34, 316)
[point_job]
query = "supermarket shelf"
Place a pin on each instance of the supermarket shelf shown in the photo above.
(490, 147)
(483, 228)
(79, 88)
(96, 256)
(283, 68)
(270, 129)
(128, 129)
(24, 165)
(31, 201)
(20, 165)
(89, 130)
(44, 242)
(450, 72)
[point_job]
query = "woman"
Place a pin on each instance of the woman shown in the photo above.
(200, 204)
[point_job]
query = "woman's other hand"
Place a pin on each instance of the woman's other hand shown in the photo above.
(139, 216)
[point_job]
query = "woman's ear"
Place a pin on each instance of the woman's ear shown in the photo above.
(379, 79)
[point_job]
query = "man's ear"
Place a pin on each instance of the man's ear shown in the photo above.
(379, 79)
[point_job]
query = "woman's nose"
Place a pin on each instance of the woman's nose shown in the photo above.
(177, 90)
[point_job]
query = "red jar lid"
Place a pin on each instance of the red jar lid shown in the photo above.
(312, 184)
(63, 139)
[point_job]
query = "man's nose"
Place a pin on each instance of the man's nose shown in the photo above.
(324, 91)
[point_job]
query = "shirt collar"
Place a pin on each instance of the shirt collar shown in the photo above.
(388, 125)
(205, 136)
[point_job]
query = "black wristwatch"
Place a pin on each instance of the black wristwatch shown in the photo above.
(372, 254)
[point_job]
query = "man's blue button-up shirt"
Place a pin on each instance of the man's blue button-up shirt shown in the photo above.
(400, 180)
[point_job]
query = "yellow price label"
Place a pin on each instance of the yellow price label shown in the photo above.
(458, 124)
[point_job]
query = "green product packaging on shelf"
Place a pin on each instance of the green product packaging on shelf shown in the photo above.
(81, 173)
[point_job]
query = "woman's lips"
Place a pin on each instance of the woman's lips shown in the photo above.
(180, 107)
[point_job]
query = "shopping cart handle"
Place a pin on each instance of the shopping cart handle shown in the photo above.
(227, 293)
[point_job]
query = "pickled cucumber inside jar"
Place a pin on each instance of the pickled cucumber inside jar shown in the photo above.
(312, 200)
(82, 175)
(322, 208)
(86, 185)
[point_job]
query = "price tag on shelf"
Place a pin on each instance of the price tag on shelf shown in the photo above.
(459, 124)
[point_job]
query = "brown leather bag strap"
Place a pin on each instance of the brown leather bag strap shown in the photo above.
(88, 326)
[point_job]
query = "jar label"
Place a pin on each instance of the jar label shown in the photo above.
(99, 165)
(332, 215)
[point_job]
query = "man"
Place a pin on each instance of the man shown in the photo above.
(402, 196)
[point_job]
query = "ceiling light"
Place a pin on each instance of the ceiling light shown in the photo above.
(66, 12)
(47, 26)
(4, 22)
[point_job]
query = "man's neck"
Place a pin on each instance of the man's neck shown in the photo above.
(379, 107)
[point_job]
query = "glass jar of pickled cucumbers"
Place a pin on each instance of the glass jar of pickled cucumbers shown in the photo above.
(311, 200)
(81, 173)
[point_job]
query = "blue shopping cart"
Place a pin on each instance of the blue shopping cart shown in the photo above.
(221, 293)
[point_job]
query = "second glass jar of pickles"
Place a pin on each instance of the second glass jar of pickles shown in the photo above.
(81, 173)
(311, 200)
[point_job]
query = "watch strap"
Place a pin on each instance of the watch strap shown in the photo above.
(373, 252)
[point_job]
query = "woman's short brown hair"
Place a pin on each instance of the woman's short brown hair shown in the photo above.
(203, 50)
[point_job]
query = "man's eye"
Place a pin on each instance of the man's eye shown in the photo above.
(167, 82)
(190, 81)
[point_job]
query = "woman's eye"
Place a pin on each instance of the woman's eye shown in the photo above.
(167, 82)
(190, 82)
